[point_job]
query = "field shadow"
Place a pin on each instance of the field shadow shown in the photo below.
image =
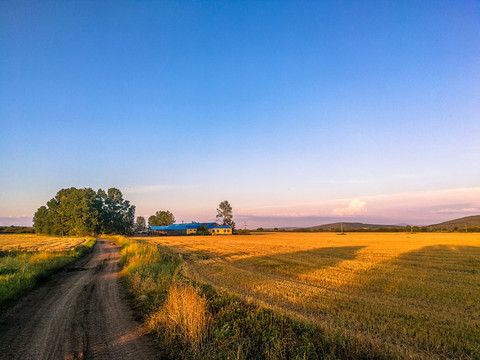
(430, 266)
(452, 257)
(190, 254)
(426, 298)
(300, 262)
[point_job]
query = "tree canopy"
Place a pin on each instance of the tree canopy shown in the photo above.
(78, 212)
(224, 213)
(116, 215)
(140, 224)
(161, 218)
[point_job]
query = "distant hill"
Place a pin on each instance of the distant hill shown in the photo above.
(470, 221)
(452, 225)
(352, 226)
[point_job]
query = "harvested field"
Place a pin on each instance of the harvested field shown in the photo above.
(32, 242)
(413, 295)
(24, 259)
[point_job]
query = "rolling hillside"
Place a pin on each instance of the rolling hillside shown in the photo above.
(456, 224)
(351, 226)
(470, 221)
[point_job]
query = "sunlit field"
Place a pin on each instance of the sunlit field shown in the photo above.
(32, 242)
(413, 295)
(25, 258)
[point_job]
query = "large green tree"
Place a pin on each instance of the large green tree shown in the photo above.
(84, 212)
(116, 215)
(161, 218)
(71, 212)
(225, 214)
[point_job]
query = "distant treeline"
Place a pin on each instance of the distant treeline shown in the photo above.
(79, 212)
(16, 229)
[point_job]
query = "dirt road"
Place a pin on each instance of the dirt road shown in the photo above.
(77, 314)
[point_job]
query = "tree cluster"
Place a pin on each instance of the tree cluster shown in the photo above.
(161, 218)
(78, 212)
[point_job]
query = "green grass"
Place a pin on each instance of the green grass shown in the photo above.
(148, 272)
(22, 270)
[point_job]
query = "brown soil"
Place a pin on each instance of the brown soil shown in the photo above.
(78, 313)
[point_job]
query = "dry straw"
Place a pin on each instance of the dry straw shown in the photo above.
(185, 314)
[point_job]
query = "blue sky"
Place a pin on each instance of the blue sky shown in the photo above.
(297, 112)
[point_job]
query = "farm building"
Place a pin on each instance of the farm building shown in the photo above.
(189, 229)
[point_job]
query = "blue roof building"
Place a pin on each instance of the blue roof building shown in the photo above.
(190, 229)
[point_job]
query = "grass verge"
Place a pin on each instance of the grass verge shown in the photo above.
(22, 270)
(195, 321)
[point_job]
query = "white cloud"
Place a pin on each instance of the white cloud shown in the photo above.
(355, 207)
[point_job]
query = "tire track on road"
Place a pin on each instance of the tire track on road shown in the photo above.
(77, 314)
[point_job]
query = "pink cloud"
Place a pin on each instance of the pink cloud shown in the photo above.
(355, 207)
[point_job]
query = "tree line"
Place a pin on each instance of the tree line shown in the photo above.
(79, 212)
(16, 229)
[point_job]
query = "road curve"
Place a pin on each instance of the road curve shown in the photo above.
(77, 314)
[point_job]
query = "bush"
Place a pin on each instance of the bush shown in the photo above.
(242, 232)
(203, 230)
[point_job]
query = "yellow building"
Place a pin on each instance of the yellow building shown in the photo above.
(190, 229)
(220, 230)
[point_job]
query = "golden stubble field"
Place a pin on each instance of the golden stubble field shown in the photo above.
(25, 258)
(417, 295)
(32, 242)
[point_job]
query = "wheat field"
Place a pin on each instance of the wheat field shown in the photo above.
(32, 242)
(25, 258)
(414, 295)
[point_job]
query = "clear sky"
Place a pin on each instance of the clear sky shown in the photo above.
(296, 112)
